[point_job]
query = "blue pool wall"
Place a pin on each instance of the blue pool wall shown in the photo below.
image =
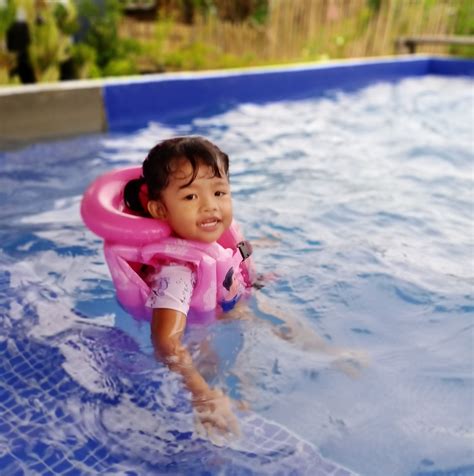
(169, 99)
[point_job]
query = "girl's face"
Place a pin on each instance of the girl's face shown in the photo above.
(199, 211)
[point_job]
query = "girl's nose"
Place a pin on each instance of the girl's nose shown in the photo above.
(209, 203)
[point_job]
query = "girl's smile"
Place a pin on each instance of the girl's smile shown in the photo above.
(209, 224)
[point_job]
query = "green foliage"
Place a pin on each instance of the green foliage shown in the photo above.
(7, 15)
(465, 19)
(49, 46)
(99, 52)
(464, 25)
(190, 57)
(233, 61)
(120, 67)
(66, 17)
(85, 61)
(204, 6)
(261, 11)
(102, 28)
(154, 51)
(374, 5)
(113, 54)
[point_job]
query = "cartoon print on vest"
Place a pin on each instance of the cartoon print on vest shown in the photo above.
(232, 285)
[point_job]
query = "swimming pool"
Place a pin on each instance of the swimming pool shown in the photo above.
(362, 204)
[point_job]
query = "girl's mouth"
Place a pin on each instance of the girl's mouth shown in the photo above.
(209, 224)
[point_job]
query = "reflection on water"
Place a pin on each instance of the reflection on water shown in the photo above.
(362, 204)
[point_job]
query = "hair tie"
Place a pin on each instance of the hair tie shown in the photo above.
(143, 196)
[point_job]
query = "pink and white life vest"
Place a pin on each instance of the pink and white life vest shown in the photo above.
(131, 241)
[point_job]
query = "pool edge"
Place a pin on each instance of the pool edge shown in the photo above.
(49, 111)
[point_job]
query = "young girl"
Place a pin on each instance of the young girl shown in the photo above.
(185, 183)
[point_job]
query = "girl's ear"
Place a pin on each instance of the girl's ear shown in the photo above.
(157, 210)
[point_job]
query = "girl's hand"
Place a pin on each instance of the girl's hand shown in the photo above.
(214, 418)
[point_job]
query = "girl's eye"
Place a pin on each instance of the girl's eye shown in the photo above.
(191, 196)
(219, 194)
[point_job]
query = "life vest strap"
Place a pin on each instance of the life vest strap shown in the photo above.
(245, 249)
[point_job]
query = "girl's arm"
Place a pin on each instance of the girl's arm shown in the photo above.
(213, 408)
(167, 328)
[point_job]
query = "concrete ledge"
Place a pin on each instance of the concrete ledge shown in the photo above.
(32, 113)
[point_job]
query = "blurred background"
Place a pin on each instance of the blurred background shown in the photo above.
(50, 40)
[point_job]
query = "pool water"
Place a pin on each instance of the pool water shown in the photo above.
(361, 208)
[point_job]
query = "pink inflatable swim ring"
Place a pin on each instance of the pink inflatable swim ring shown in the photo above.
(104, 212)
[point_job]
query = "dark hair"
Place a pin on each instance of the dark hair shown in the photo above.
(158, 166)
